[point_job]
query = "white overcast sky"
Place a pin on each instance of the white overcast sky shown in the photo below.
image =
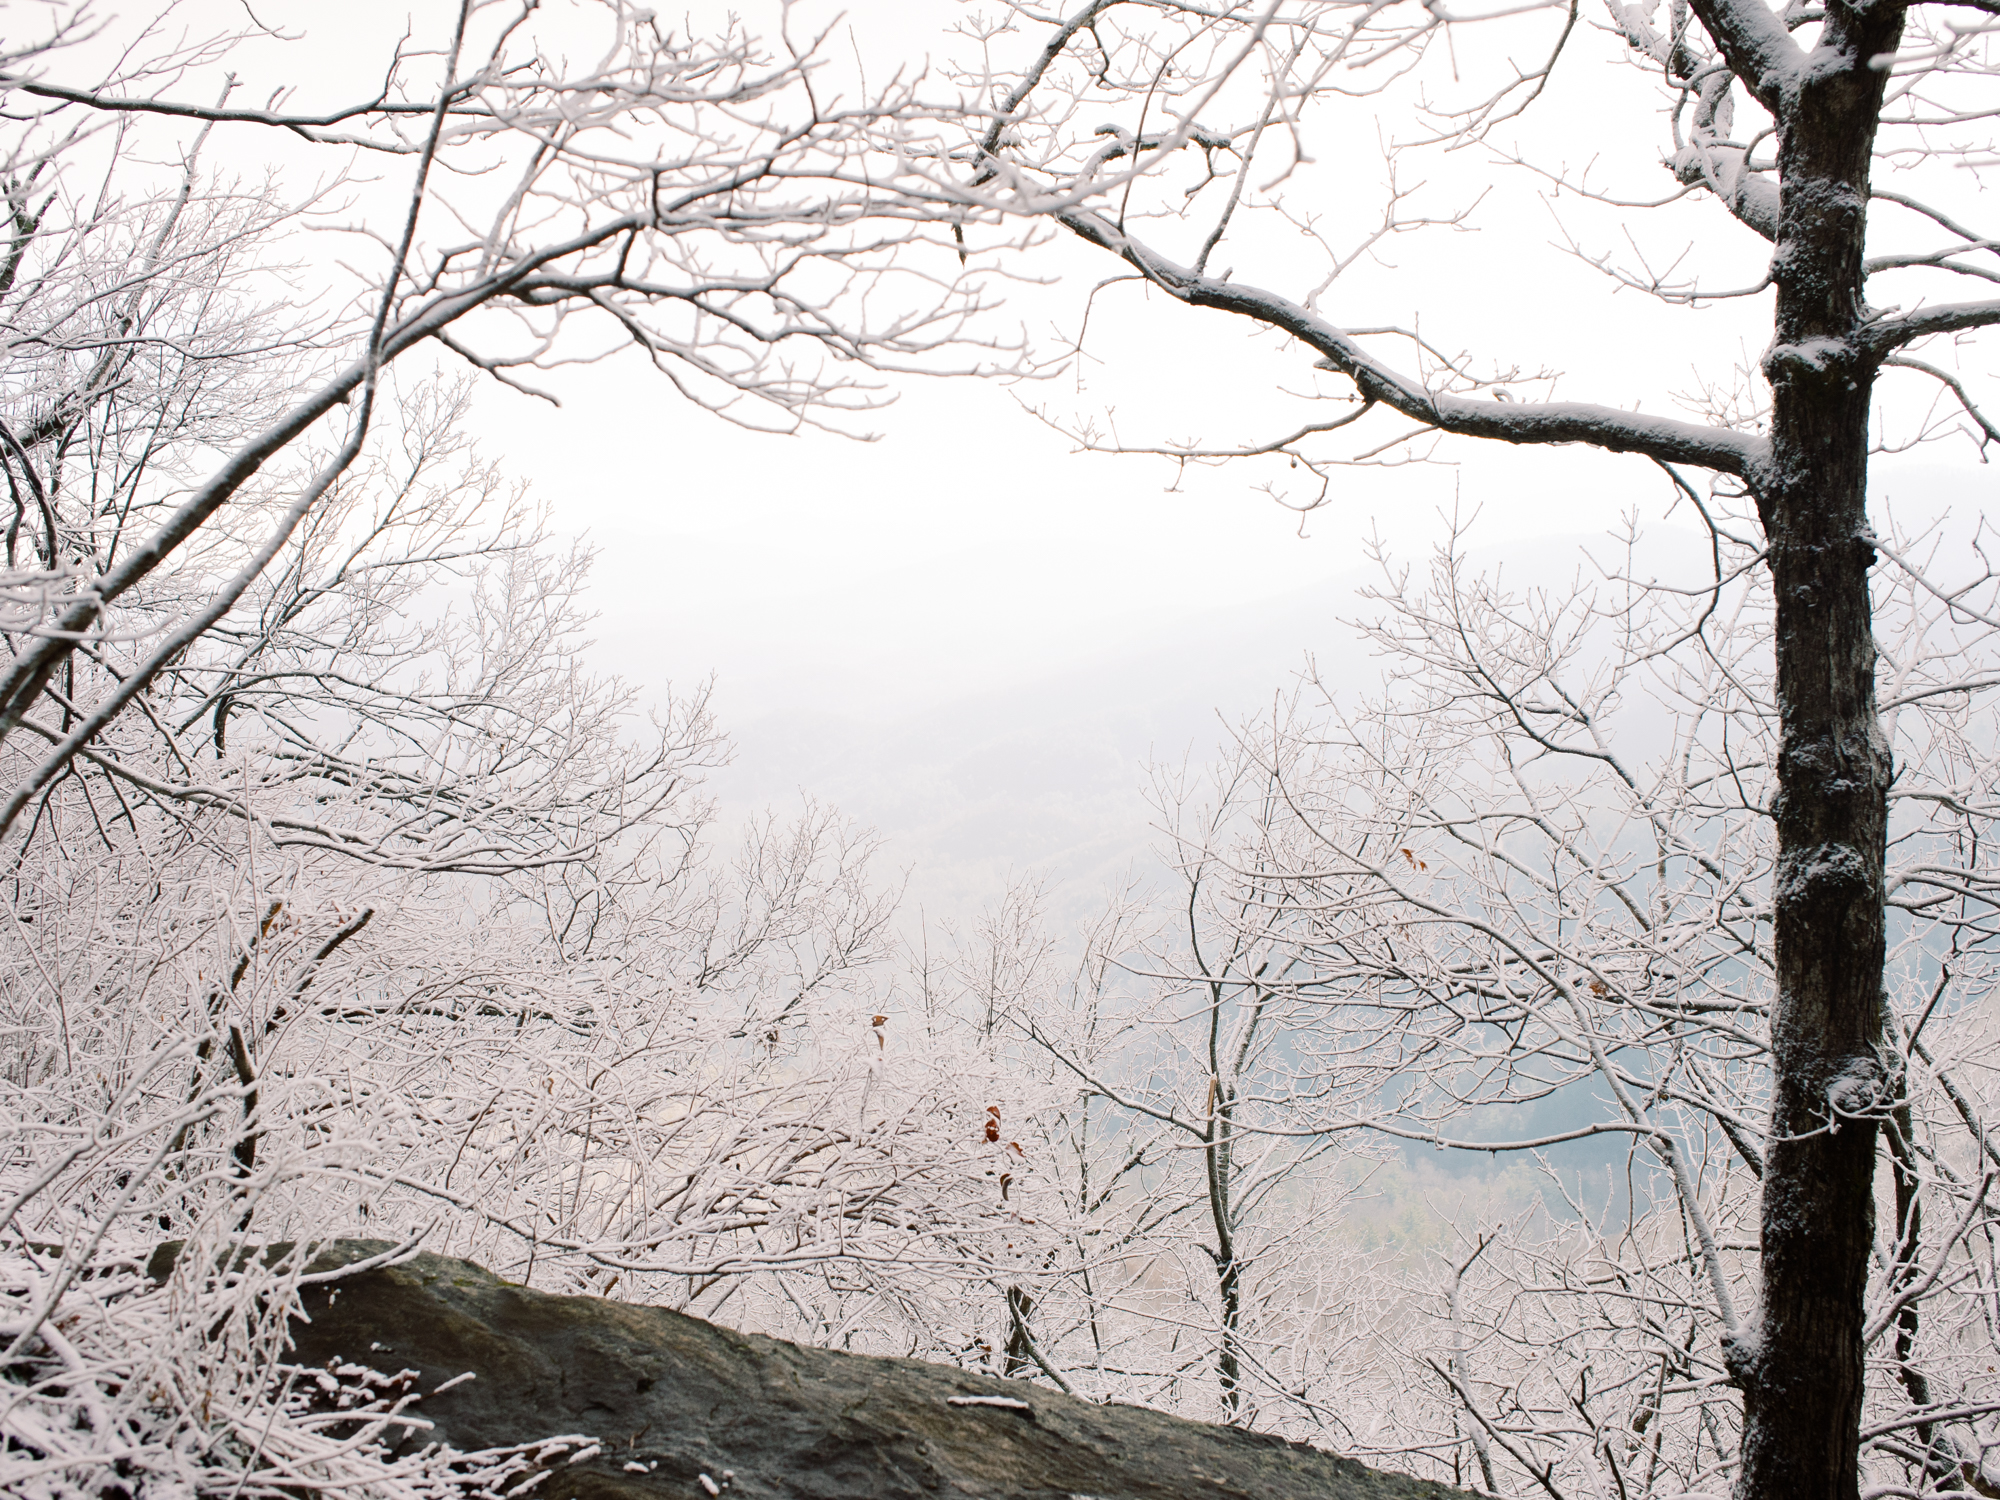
(972, 636)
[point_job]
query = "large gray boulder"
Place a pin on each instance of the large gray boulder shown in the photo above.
(685, 1409)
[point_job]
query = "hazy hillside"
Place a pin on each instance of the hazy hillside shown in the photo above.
(1046, 774)
(1047, 770)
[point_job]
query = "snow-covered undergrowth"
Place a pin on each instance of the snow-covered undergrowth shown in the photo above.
(118, 1384)
(664, 1123)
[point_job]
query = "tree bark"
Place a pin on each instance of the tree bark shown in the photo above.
(1800, 1365)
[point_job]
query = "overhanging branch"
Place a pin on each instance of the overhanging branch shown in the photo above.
(1720, 449)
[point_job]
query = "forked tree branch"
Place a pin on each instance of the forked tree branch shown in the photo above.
(1886, 335)
(314, 128)
(1665, 439)
(1756, 44)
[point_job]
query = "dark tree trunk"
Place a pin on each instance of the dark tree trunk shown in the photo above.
(1228, 1360)
(1019, 1360)
(1219, 1157)
(1800, 1365)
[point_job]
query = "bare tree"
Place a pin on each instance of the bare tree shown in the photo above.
(1170, 1232)
(1213, 112)
(1518, 906)
(174, 404)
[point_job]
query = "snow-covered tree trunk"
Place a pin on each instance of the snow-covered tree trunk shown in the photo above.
(1800, 1364)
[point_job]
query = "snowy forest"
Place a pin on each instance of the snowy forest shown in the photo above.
(1633, 939)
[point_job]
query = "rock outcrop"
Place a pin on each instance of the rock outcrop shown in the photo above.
(687, 1410)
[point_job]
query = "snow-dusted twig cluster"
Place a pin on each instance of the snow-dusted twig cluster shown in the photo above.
(177, 1385)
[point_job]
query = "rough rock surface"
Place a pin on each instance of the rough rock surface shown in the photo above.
(695, 1405)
